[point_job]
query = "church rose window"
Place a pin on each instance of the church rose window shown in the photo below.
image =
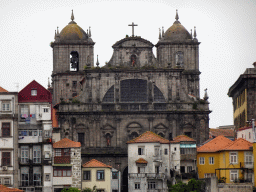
(134, 90)
(109, 96)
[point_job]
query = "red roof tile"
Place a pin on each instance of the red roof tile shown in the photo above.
(224, 132)
(149, 137)
(244, 128)
(239, 144)
(3, 90)
(95, 163)
(141, 161)
(217, 144)
(66, 143)
(6, 189)
(181, 138)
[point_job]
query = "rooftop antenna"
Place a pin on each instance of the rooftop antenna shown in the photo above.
(17, 86)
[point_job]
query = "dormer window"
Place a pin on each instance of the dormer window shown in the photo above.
(33, 92)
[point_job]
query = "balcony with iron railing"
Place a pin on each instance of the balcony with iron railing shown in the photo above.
(148, 175)
(247, 164)
(62, 160)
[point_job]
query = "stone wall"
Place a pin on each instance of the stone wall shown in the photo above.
(76, 167)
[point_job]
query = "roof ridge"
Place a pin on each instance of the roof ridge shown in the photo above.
(96, 161)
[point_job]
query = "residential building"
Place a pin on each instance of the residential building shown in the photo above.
(66, 165)
(136, 91)
(243, 93)
(35, 143)
(230, 161)
(226, 132)
(246, 133)
(8, 138)
(100, 175)
(186, 163)
(148, 163)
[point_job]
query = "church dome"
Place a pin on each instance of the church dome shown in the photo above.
(177, 32)
(73, 32)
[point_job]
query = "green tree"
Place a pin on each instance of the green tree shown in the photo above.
(71, 189)
(192, 186)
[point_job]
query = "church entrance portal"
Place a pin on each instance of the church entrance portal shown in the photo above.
(125, 180)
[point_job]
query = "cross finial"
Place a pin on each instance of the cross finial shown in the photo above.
(132, 28)
(177, 16)
(160, 34)
(72, 16)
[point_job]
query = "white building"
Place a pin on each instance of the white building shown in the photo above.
(8, 138)
(148, 163)
(245, 133)
(35, 138)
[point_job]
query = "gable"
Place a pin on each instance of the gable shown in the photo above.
(42, 94)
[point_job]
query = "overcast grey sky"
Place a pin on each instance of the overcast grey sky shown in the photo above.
(225, 28)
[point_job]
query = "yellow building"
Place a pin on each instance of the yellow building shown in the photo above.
(96, 173)
(230, 161)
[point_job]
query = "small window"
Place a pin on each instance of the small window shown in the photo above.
(47, 177)
(233, 175)
(141, 169)
(46, 110)
(6, 107)
(87, 175)
(6, 129)
(137, 186)
(249, 135)
(151, 185)
(100, 175)
(47, 155)
(166, 151)
(33, 92)
(201, 160)
(57, 152)
(114, 175)
(211, 160)
(6, 158)
(81, 138)
(156, 151)
(7, 181)
(233, 158)
(141, 151)
(189, 169)
(175, 148)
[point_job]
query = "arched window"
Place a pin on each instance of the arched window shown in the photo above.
(109, 96)
(134, 90)
(74, 61)
(179, 58)
(133, 135)
(158, 95)
(161, 134)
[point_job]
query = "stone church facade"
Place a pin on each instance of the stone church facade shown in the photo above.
(104, 107)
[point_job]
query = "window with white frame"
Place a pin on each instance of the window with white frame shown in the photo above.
(233, 157)
(33, 92)
(209, 175)
(7, 181)
(151, 185)
(24, 111)
(47, 133)
(47, 155)
(141, 169)
(211, 160)
(156, 151)
(37, 176)
(233, 175)
(36, 154)
(137, 186)
(47, 176)
(141, 150)
(189, 169)
(46, 110)
(24, 154)
(24, 171)
(248, 158)
(6, 106)
(201, 160)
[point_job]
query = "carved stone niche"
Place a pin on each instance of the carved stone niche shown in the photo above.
(108, 132)
(161, 129)
(134, 129)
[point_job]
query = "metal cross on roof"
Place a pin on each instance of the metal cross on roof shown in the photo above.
(132, 28)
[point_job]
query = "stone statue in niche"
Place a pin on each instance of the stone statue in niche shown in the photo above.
(133, 60)
(108, 139)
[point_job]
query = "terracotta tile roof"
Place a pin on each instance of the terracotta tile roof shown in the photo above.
(181, 138)
(239, 144)
(217, 144)
(95, 163)
(141, 161)
(3, 90)
(149, 137)
(66, 143)
(244, 128)
(218, 132)
(6, 189)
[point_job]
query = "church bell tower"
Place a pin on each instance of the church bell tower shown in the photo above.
(73, 51)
